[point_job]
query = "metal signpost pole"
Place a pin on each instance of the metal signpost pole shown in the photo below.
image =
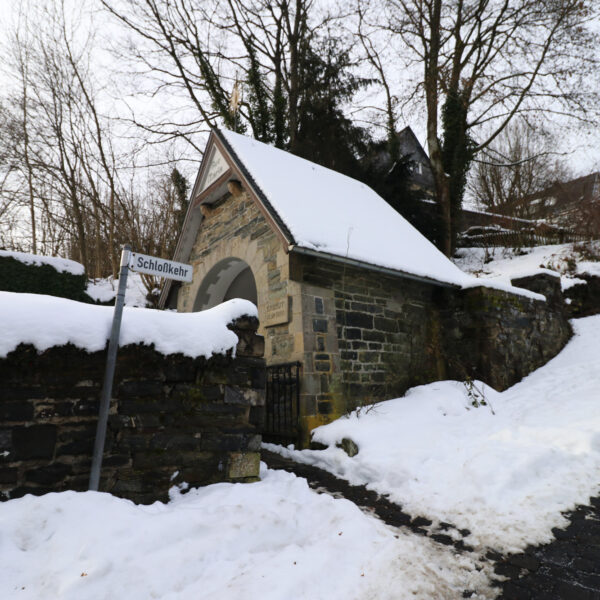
(109, 373)
(140, 263)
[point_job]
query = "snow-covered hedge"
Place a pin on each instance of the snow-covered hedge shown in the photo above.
(34, 274)
(62, 265)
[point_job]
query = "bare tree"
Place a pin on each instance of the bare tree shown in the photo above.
(62, 144)
(70, 182)
(21, 123)
(9, 179)
(520, 162)
(271, 49)
(483, 62)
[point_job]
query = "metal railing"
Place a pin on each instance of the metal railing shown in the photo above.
(519, 239)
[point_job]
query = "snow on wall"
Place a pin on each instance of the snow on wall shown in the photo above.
(62, 265)
(46, 321)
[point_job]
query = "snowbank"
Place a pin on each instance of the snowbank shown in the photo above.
(503, 264)
(271, 540)
(47, 321)
(105, 289)
(62, 265)
(505, 476)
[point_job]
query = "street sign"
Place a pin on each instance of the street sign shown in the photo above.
(142, 264)
(160, 267)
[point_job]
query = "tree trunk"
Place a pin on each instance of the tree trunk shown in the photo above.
(29, 168)
(442, 180)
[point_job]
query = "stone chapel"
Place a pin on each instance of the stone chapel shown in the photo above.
(354, 304)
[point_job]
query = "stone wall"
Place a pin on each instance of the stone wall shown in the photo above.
(584, 297)
(368, 336)
(499, 337)
(172, 419)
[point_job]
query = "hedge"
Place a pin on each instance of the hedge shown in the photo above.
(16, 276)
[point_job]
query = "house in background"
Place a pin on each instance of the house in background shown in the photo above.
(421, 178)
(355, 305)
(573, 205)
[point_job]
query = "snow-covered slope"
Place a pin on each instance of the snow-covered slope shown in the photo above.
(504, 264)
(47, 321)
(504, 470)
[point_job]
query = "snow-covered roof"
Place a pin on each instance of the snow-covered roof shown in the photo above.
(47, 321)
(330, 212)
(62, 265)
(317, 210)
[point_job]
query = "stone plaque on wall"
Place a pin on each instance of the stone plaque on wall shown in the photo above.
(276, 312)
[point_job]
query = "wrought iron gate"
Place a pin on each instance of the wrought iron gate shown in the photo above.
(282, 403)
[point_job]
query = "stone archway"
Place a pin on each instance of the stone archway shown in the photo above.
(230, 278)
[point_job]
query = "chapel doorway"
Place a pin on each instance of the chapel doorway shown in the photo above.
(229, 278)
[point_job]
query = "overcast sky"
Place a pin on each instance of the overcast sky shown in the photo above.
(581, 145)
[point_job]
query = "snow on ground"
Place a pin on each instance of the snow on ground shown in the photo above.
(62, 265)
(504, 264)
(47, 321)
(273, 539)
(105, 289)
(505, 476)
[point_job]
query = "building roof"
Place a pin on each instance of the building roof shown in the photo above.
(421, 176)
(331, 213)
(317, 211)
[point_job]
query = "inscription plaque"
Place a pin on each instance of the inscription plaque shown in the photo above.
(277, 312)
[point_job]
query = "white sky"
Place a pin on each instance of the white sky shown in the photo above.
(581, 145)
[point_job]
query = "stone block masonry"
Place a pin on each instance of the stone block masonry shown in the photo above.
(368, 337)
(500, 337)
(173, 419)
(234, 227)
(584, 298)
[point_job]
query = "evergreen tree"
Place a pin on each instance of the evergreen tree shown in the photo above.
(325, 135)
(181, 186)
(457, 153)
(388, 172)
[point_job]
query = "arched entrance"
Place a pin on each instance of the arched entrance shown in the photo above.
(229, 278)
